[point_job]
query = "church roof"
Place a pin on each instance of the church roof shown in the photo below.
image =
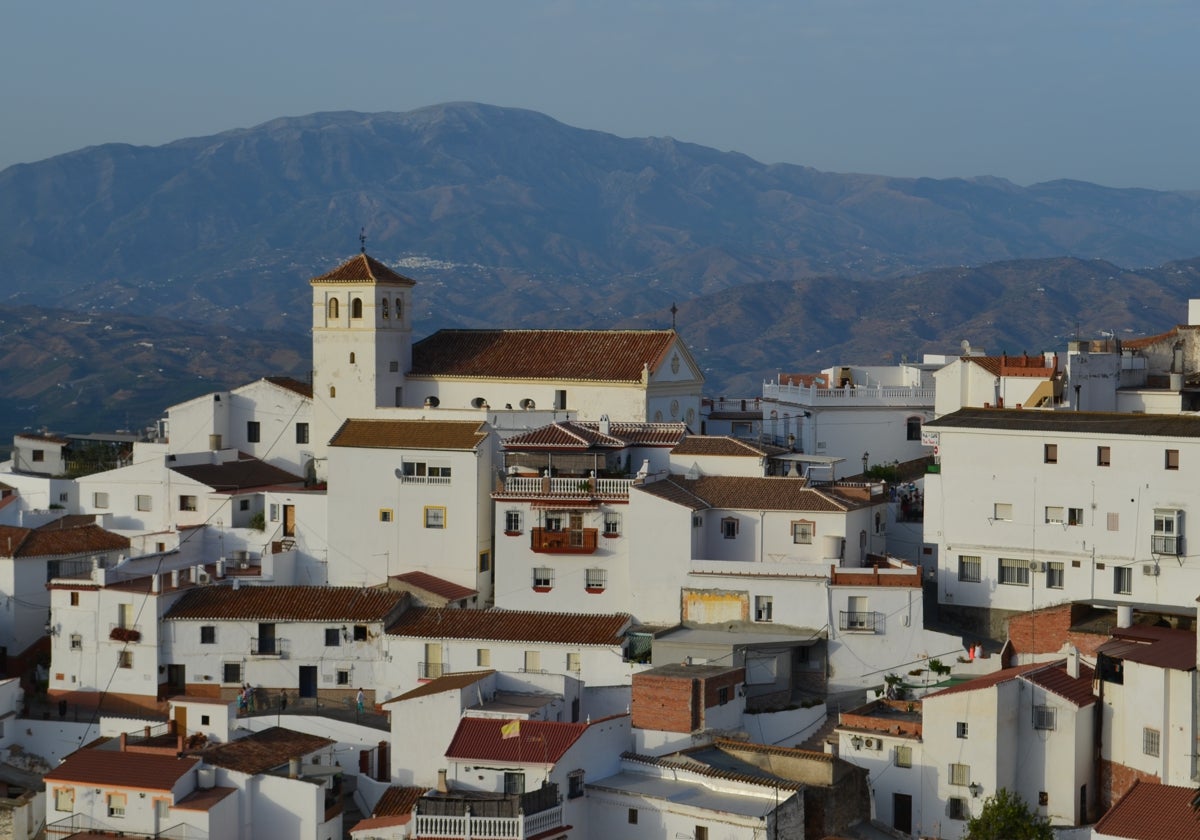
(363, 269)
(583, 355)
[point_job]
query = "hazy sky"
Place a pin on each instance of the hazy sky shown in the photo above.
(1029, 90)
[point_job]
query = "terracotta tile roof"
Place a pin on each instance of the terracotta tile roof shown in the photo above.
(1161, 647)
(512, 626)
(538, 741)
(441, 587)
(304, 389)
(1067, 422)
(821, 380)
(264, 750)
(71, 520)
(450, 682)
(411, 434)
(58, 541)
(203, 799)
(393, 808)
(242, 474)
(729, 492)
(285, 603)
(694, 766)
(724, 445)
(113, 768)
(582, 355)
(45, 439)
(985, 681)
(363, 269)
(584, 435)
(1150, 811)
(1149, 340)
(1054, 678)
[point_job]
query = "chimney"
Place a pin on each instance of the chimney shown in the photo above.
(442, 785)
(174, 578)
(605, 425)
(1073, 662)
(214, 442)
(155, 583)
(124, 740)
(221, 567)
(1124, 616)
(294, 767)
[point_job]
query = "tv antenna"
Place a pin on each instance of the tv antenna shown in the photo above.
(362, 240)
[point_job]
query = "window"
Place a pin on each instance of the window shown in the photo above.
(1054, 575)
(143, 502)
(1074, 516)
(231, 672)
(722, 695)
(701, 833)
(575, 784)
(64, 497)
(124, 659)
(435, 517)
(76, 641)
(903, 756)
(483, 658)
(208, 634)
(1168, 532)
(1150, 741)
(393, 367)
(333, 308)
(543, 577)
(485, 561)
(399, 309)
(596, 579)
(763, 607)
(956, 808)
(913, 428)
(333, 637)
(116, 805)
(960, 774)
(512, 522)
(385, 514)
(970, 568)
(1050, 453)
(1054, 515)
(100, 500)
(729, 527)
(1002, 511)
(332, 392)
(802, 532)
(632, 818)
(356, 308)
(360, 632)
(274, 513)
(439, 472)
(64, 799)
(573, 662)
(560, 400)
(554, 520)
(1122, 580)
(301, 433)
(697, 520)
(39, 455)
(960, 729)
(1045, 717)
(343, 676)
(243, 504)
(1171, 460)
(533, 662)
(187, 503)
(253, 431)
(162, 807)
(1014, 572)
(74, 599)
(1103, 456)
(1114, 521)
(612, 524)
(384, 310)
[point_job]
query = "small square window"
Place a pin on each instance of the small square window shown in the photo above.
(1002, 511)
(205, 720)
(543, 577)
(960, 774)
(970, 568)
(802, 532)
(1013, 572)
(960, 729)
(483, 658)
(512, 522)
(143, 502)
(231, 672)
(1103, 456)
(393, 367)
(612, 524)
(343, 676)
(1045, 717)
(1050, 453)
(632, 817)
(1054, 515)
(100, 500)
(39, 455)
(64, 799)
(74, 599)
(1074, 516)
(956, 807)
(301, 433)
(253, 431)
(435, 517)
(573, 662)
(385, 514)
(333, 637)
(904, 756)
(116, 805)
(187, 503)
(360, 632)
(76, 641)
(729, 527)
(764, 608)
(1172, 459)
(1122, 580)
(125, 659)
(1151, 741)
(243, 504)
(1054, 575)
(208, 634)
(595, 579)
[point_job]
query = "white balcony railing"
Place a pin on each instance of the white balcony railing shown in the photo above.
(487, 828)
(898, 396)
(568, 487)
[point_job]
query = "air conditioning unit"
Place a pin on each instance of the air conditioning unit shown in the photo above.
(1152, 571)
(1037, 566)
(873, 743)
(203, 577)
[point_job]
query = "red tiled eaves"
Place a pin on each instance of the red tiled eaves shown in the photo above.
(243, 474)
(54, 541)
(363, 269)
(450, 682)
(728, 492)
(410, 434)
(45, 439)
(116, 769)
(1055, 679)
(513, 626)
(537, 741)
(1151, 811)
(397, 801)
(264, 750)
(986, 681)
(582, 435)
(1070, 422)
(705, 770)
(304, 389)
(572, 355)
(436, 586)
(285, 603)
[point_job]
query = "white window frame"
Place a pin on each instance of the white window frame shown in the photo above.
(595, 579)
(903, 756)
(100, 500)
(1055, 574)
(612, 524)
(1122, 580)
(959, 775)
(803, 532)
(1012, 572)
(764, 608)
(1002, 511)
(1054, 515)
(435, 517)
(543, 577)
(1045, 717)
(1151, 741)
(144, 502)
(514, 520)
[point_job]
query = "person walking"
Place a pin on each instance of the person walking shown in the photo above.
(360, 700)
(283, 699)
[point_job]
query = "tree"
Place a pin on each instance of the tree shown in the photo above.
(1005, 816)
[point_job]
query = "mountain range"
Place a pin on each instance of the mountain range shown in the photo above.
(136, 276)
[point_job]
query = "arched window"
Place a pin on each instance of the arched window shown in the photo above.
(399, 309)
(383, 308)
(332, 391)
(351, 358)
(356, 308)
(333, 308)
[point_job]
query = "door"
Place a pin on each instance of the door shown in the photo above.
(433, 661)
(902, 812)
(308, 681)
(576, 520)
(289, 520)
(176, 679)
(266, 638)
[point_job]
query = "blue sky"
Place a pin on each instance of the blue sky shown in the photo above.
(1030, 90)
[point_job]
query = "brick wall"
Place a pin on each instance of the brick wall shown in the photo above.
(1116, 780)
(1047, 630)
(664, 703)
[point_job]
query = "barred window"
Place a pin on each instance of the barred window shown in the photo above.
(1045, 717)
(1014, 572)
(1150, 741)
(970, 568)
(960, 774)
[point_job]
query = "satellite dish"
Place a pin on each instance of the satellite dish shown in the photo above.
(966, 347)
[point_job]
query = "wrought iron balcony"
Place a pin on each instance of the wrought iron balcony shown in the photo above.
(570, 541)
(1161, 544)
(269, 647)
(432, 670)
(857, 621)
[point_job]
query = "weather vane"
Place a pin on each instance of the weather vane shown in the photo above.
(362, 240)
